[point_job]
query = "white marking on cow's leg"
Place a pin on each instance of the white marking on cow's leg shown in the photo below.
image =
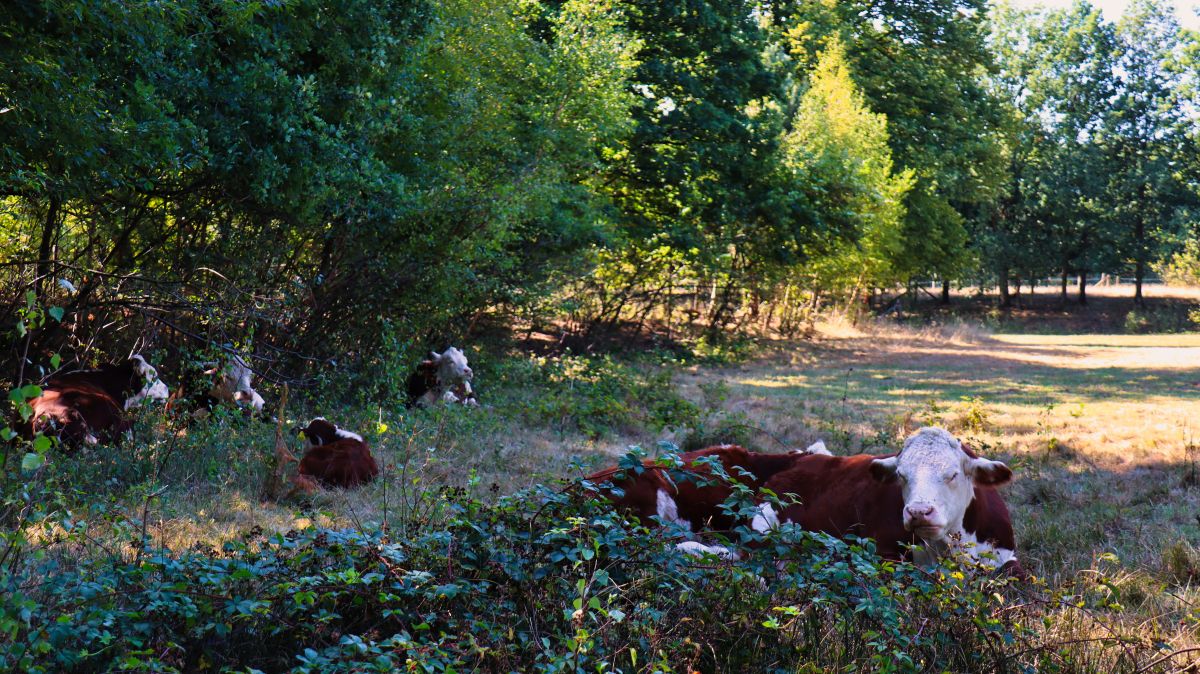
(765, 519)
(91, 439)
(697, 549)
(668, 511)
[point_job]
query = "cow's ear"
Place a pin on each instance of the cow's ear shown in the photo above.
(884, 470)
(990, 473)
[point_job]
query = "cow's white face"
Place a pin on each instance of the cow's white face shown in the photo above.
(452, 367)
(937, 479)
(234, 385)
(249, 398)
(152, 389)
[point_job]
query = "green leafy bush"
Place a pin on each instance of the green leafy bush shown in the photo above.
(547, 580)
(594, 394)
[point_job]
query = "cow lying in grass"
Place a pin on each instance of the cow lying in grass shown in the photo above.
(336, 457)
(232, 385)
(933, 493)
(88, 406)
(443, 377)
(691, 495)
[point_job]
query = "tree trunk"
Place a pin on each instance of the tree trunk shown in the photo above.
(49, 232)
(1140, 270)
(1005, 298)
(1083, 287)
(1065, 283)
(946, 292)
(1139, 275)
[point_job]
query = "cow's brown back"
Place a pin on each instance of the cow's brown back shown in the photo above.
(697, 493)
(341, 463)
(75, 410)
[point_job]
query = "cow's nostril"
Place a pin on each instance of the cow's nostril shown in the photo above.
(919, 510)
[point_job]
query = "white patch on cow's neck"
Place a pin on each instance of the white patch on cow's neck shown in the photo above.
(668, 511)
(153, 390)
(342, 433)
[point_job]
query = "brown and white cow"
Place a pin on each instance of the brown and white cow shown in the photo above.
(88, 406)
(690, 496)
(443, 377)
(934, 493)
(336, 457)
(232, 385)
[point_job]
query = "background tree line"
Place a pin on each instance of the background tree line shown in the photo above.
(356, 180)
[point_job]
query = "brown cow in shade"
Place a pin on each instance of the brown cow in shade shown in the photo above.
(336, 457)
(89, 406)
(443, 377)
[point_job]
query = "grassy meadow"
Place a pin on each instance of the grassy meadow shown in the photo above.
(1102, 430)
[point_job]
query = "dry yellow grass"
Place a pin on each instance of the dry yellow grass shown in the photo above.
(1103, 432)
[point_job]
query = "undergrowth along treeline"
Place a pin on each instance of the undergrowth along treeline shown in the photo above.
(358, 181)
(547, 579)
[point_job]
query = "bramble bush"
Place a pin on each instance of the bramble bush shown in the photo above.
(546, 580)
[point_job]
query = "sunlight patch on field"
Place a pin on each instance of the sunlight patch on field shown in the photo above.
(1188, 339)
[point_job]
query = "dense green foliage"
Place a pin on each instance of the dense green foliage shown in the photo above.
(1103, 157)
(544, 580)
(312, 180)
(334, 187)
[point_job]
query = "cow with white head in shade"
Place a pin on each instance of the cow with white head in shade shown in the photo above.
(443, 377)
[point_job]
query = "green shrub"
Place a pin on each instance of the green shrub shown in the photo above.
(592, 394)
(546, 580)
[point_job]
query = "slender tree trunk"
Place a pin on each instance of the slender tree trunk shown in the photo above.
(1139, 273)
(1005, 298)
(1083, 287)
(1065, 283)
(946, 292)
(49, 232)
(1140, 233)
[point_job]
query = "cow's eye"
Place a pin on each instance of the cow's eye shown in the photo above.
(950, 478)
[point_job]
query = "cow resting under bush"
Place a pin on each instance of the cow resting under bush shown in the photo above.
(89, 406)
(443, 377)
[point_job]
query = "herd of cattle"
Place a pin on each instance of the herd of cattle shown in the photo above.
(935, 493)
(88, 407)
